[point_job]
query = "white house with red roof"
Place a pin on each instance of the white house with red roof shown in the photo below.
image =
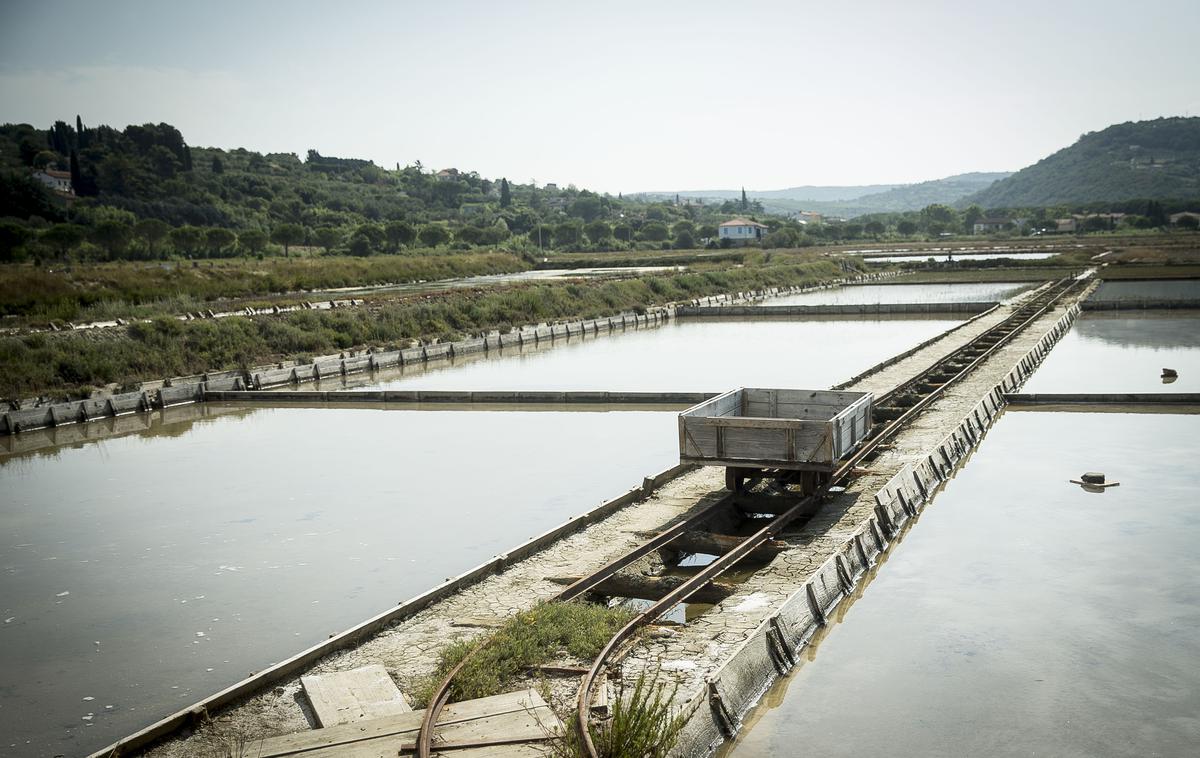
(741, 231)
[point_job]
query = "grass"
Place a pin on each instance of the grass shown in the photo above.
(71, 363)
(1150, 271)
(129, 288)
(642, 724)
(529, 639)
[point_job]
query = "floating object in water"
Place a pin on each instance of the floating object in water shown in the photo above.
(1093, 481)
(1170, 373)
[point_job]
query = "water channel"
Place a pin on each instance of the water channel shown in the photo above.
(1123, 351)
(907, 293)
(144, 571)
(956, 257)
(1022, 615)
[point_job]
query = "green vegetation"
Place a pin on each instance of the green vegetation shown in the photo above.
(130, 289)
(71, 362)
(528, 639)
(1156, 159)
(143, 193)
(642, 725)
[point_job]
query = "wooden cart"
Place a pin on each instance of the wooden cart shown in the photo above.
(754, 431)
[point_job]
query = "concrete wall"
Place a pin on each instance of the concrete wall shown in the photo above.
(774, 647)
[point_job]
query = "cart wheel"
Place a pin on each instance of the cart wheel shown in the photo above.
(734, 477)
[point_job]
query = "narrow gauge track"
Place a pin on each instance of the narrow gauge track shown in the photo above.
(894, 410)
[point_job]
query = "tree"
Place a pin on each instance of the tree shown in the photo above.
(655, 231)
(12, 236)
(623, 232)
(432, 235)
(151, 231)
(399, 233)
(505, 194)
(112, 235)
(745, 204)
(287, 235)
(874, 227)
(373, 234)
(587, 207)
(684, 240)
(597, 231)
(187, 239)
(972, 214)
(219, 239)
(906, 227)
(253, 240)
(327, 237)
(64, 237)
(218, 167)
(44, 159)
(1188, 222)
(568, 233)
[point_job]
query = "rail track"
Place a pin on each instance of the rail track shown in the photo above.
(893, 411)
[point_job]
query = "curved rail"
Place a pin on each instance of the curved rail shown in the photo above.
(1002, 332)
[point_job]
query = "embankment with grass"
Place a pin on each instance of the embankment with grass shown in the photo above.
(128, 289)
(69, 364)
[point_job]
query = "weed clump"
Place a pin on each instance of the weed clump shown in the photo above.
(528, 639)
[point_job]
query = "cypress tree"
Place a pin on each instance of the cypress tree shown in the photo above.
(745, 204)
(505, 194)
(217, 166)
(187, 158)
(75, 176)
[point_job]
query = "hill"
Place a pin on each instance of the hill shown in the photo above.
(1157, 159)
(850, 201)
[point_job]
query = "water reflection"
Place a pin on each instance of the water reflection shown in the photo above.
(1022, 616)
(907, 293)
(1154, 289)
(150, 570)
(943, 257)
(1123, 352)
(701, 355)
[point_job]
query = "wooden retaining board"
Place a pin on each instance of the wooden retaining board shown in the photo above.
(347, 696)
(511, 716)
(775, 428)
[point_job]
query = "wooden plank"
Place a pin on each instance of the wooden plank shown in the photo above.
(344, 697)
(512, 714)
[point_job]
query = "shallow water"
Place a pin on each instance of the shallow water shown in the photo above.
(148, 571)
(235, 541)
(943, 257)
(906, 293)
(690, 355)
(1151, 289)
(1021, 616)
(1123, 352)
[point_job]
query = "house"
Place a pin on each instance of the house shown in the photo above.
(990, 225)
(741, 231)
(808, 217)
(1177, 217)
(447, 174)
(1065, 225)
(59, 181)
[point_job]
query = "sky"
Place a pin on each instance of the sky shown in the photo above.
(614, 96)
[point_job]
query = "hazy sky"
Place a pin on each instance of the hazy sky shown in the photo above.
(615, 96)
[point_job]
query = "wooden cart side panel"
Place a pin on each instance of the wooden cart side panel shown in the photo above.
(728, 404)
